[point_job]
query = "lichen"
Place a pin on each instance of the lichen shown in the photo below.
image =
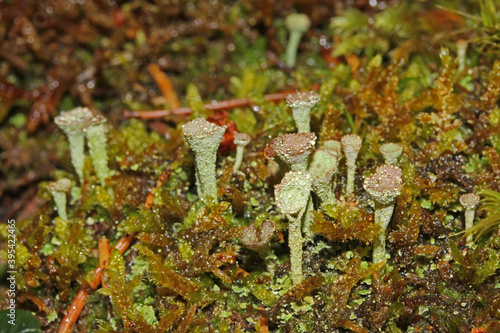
(223, 257)
(204, 138)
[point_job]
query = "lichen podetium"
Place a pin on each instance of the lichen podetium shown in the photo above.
(204, 138)
(72, 123)
(383, 186)
(292, 195)
(95, 132)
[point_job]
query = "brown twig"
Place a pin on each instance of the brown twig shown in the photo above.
(186, 111)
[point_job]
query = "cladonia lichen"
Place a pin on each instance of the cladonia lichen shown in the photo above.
(335, 148)
(323, 167)
(469, 202)
(72, 123)
(391, 152)
(297, 24)
(59, 189)
(291, 197)
(351, 144)
(240, 140)
(292, 150)
(95, 132)
(383, 186)
(204, 138)
(301, 104)
(257, 239)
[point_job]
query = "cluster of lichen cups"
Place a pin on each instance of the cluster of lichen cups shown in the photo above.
(301, 174)
(78, 124)
(304, 171)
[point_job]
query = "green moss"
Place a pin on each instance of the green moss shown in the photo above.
(137, 137)
(22, 255)
(194, 101)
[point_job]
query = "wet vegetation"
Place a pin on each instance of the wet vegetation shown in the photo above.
(137, 248)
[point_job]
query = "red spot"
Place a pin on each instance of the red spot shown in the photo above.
(222, 118)
(118, 18)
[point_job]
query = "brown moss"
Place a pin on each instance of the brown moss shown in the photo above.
(494, 158)
(339, 291)
(165, 277)
(236, 197)
(295, 294)
(360, 227)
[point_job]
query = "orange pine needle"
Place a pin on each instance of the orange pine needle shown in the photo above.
(97, 278)
(159, 183)
(124, 242)
(165, 85)
(104, 252)
(74, 311)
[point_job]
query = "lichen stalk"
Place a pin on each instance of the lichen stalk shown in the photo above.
(77, 152)
(383, 186)
(204, 139)
(58, 190)
(301, 104)
(291, 197)
(334, 148)
(351, 174)
(323, 167)
(95, 132)
(469, 218)
(307, 221)
(292, 47)
(383, 214)
(351, 144)
(469, 202)
(295, 241)
(72, 124)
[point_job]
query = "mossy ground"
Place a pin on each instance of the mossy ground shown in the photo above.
(389, 73)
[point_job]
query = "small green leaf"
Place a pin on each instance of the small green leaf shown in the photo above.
(18, 321)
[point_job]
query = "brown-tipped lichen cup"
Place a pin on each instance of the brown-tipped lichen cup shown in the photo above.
(383, 186)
